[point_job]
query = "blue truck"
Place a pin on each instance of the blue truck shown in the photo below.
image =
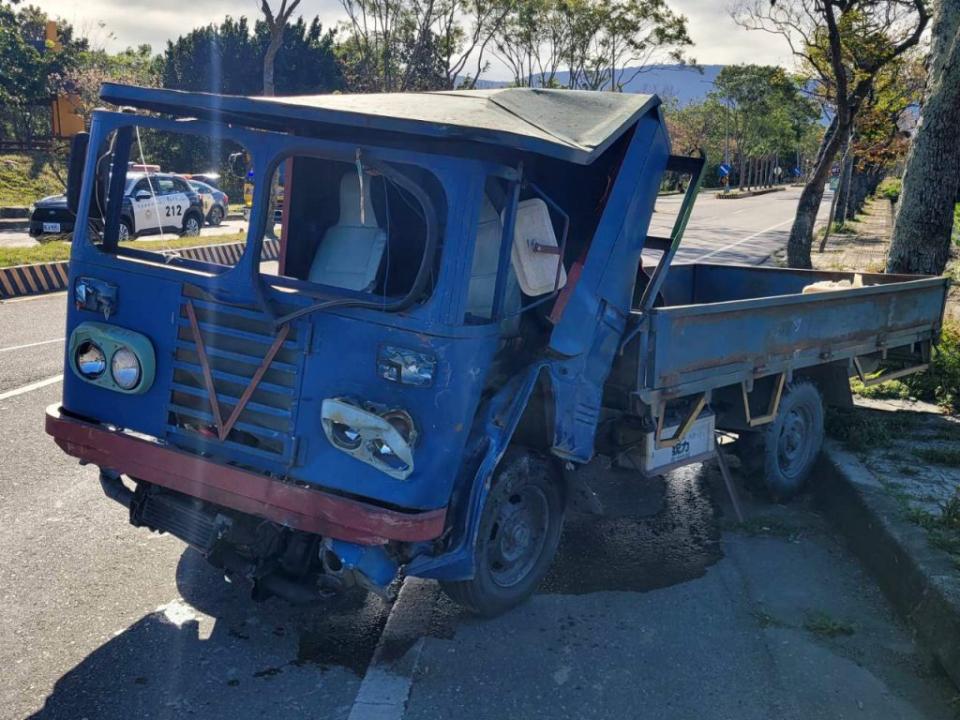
(459, 321)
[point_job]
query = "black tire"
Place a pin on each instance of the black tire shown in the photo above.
(782, 455)
(511, 559)
(191, 225)
(126, 231)
(216, 216)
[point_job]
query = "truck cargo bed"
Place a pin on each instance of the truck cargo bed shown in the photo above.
(719, 325)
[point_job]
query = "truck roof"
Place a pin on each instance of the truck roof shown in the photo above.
(572, 125)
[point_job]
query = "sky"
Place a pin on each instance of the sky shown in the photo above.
(116, 24)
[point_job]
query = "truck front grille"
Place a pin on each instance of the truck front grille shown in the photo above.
(236, 342)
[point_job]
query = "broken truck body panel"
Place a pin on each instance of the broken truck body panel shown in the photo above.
(361, 397)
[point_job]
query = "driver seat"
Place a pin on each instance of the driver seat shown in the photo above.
(351, 252)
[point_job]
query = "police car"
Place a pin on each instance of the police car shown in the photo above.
(159, 202)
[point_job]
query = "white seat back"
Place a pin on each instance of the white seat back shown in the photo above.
(351, 252)
(486, 258)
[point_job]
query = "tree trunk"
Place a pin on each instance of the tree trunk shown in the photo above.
(269, 61)
(924, 221)
(801, 234)
(269, 90)
(843, 186)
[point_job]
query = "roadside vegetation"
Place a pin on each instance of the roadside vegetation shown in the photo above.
(25, 178)
(58, 250)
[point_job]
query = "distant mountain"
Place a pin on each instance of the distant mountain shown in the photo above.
(682, 82)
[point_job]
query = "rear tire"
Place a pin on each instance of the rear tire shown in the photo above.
(781, 455)
(518, 535)
(215, 217)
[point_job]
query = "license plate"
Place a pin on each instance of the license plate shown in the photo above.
(51, 227)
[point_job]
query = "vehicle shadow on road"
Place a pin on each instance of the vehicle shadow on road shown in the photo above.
(215, 652)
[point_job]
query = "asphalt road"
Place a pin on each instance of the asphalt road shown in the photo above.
(670, 610)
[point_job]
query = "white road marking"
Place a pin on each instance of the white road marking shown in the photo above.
(30, 345)
(32, 386)
(385, 688)
(743, 240)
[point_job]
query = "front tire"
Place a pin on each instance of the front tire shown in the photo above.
(518, 535)
(191, 226)
(125, 233)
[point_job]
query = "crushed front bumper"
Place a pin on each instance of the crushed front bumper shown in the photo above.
(290, 505)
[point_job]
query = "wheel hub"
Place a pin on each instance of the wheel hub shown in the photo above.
(518, 535)
(795, 436)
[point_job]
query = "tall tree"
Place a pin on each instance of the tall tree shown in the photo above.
(276, 25)
(600, 44)
(844, 44)
(924, 221)
(767, 112)
(401, 45)
(32, 70)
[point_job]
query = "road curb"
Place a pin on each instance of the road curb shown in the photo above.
(41, 278)
(921, 582)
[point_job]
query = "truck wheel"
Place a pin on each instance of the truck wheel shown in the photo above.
(518, 536)
(783, 453)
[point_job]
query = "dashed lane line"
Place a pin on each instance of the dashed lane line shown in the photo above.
(30, 345)
(28, 388)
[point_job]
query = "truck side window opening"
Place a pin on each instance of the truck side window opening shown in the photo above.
(360, 234)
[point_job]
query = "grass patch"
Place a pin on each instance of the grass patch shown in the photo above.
(24, 179)
(943, 530)
(889, 390)
(938, 455)
(59, 250)
(890, 189)
(908, 470)
(822, 624)
(856, 429)
(940, 383)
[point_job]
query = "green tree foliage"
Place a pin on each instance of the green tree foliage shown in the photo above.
(754, 111)
(601, 44)
(221, 58)
(844, 45)
(228, 58)
(32, 70)
(404, 45)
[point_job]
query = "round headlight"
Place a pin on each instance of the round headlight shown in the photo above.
(125, 368)
(90, 360)
(345, 436)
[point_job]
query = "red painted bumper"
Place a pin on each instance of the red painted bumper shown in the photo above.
(290, 505)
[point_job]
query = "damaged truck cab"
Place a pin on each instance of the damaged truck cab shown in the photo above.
(454, 317)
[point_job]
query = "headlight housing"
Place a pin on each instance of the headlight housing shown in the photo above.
(130, 356)
(125, 368)
(376, 436)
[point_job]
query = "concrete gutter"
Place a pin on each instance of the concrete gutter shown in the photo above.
(922, 582)
(40, 278)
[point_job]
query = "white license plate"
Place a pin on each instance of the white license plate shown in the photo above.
(51, 227)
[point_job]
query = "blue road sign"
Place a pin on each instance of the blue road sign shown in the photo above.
(796, 172)
(724, 169)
